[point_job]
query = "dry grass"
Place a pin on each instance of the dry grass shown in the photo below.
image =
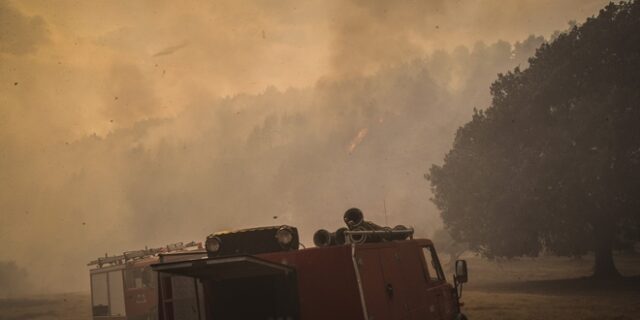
(67, 306)
(544, 288)
(480, 305)
(550, 288)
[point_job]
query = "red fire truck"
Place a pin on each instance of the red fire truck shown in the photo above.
(123, 287)
(363, 271)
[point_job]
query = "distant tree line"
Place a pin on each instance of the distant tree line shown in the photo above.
(553, 164)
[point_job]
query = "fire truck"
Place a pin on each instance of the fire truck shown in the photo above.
(123, 287)
(363, 271)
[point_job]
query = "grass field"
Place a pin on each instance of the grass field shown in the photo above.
(550, 288)
(67, 306)
(543, 288)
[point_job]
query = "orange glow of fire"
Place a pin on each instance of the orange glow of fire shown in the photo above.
(358, 139)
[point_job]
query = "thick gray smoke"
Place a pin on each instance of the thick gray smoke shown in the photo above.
(302, 156)
(118, 132)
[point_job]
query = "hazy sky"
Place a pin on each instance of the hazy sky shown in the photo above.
(78, 56)
(113, 117)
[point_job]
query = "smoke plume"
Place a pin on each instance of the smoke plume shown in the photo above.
(125, 124)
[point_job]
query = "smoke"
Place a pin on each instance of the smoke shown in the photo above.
(367, 35)
(20, 34)
(128, 95)
(105, 147)
(239, 161)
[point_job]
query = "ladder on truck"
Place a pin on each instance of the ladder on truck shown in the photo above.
(143, 253)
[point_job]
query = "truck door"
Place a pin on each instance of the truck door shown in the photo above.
(373, 284)
(382, 283)
(394, 285)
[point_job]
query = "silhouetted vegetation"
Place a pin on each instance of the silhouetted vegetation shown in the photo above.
(554, 163)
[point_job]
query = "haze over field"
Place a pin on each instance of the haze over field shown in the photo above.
(124, 124)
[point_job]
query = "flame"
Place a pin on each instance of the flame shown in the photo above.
(358, 139)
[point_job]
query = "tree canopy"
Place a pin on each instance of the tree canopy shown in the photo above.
(554, 163)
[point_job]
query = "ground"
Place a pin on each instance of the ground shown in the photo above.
(542, 288)
(550, 288)
(67, 306)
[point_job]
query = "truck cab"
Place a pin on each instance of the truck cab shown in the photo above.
(260, 274)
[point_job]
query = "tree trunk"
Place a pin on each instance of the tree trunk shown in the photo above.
(604, 266)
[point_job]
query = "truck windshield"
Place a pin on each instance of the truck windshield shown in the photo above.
(237, 287)
(265, 297)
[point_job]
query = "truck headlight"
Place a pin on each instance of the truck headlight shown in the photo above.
(284, 235)
(213, 244)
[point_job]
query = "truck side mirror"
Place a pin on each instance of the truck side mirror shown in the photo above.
(461, 271)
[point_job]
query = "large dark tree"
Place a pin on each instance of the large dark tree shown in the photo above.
(554, 163)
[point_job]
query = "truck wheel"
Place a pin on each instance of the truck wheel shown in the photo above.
(461, 316)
